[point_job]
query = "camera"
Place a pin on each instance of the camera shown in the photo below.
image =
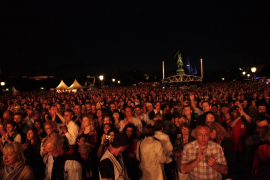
(108, 137)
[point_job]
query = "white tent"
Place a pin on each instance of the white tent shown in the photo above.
(76, 85)
(61, 86)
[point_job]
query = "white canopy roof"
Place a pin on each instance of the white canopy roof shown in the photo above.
(76, 85)
(62, 85)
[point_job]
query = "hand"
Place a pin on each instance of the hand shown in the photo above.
(200, 156)
(212, 161)
(227, 116)
(64, 129)
(103, 138)
(80, 142)
(191, 97)
(6, 137)
(24, 146)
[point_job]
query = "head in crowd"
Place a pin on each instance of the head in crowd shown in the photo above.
(157, 106)
(53, 144)
(168, 117)
(77, 109)
(112, 106)
(149, 107)
(157, 116)
(68, 115)
(119, 143)
(116, 115)
(202, 134)
(38, 124)
(11, 127)
(149, 130)
(206, 106)
(8, 116)
(107, 119)
(87, 124)
(85, 152)
(209, 117)
(18, 118)
(235, 112)
(159, 125)
(49, 127)
(262, 125)
(187, 110)
(130, 131)
(106, 128)
(13, 154)
(215, 109)
(138, 110)
(185, 129)
(36, 115)
(99, 113)
(225, 108)
(129, 111)
(261, 108)
(30, 113)
(32, 136)
(217, 132)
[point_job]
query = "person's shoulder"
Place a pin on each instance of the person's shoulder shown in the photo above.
(27, 173)
(191, 144)
(105, 163)
(214, 145)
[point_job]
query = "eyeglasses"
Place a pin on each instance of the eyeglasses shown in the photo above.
(263, 127)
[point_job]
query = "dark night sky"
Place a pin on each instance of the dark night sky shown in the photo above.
(93, 37)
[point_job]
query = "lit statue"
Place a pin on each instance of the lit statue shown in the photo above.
(179, 61)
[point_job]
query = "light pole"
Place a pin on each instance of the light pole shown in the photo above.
(113, 80)
(3, 84)
(253, 70)
(101, 79)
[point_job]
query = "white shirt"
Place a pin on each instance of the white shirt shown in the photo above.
(166, 143)
(72, 133)
(18, 138)
(135, 121)
(143, 117)
(72, 170)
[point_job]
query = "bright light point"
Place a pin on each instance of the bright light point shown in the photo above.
(113, 80)
(248, 75)
(244, 73)
(118, 82)
(101, 77)
(223, 79)
(3, 83)
(41, 87)
(7, 89)
(253, 69)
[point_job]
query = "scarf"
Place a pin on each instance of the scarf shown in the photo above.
(12, 174)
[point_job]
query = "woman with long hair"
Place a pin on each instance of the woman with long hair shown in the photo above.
(31, 152)
(220, 135)
(87, 133)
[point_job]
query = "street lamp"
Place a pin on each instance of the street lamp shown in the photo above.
(244, 72)
(223, 79)
(248, 75)
(118, 82)
(113, 80)
(3, 83)
(101, 79)
(253, 70)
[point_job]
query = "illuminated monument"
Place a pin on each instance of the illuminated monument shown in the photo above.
(180, 76)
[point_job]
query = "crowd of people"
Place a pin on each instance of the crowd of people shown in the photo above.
(218, 131)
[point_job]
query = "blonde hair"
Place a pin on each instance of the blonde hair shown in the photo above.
(220, 130)
(92, 125)
(17, 148)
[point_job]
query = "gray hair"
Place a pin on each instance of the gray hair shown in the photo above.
(56, 139)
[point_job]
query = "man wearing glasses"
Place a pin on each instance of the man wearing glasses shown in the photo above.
(259, 138)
